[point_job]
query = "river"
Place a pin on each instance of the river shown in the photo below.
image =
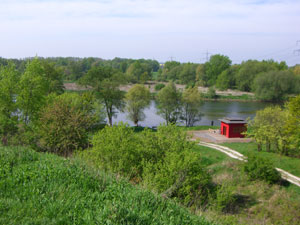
(211, 110)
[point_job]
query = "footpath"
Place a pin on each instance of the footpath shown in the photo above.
(236, 155)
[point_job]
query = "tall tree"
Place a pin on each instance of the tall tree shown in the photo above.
(169, 99)
(267, 128)
(105, 82)
(9, 78)
(34, 87)
(191, 102)
(137, 99)
(215, 66)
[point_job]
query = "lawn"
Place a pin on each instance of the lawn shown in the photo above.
(291, 165)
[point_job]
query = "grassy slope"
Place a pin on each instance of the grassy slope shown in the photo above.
(257, 202)
(38, 188)
(289, 164)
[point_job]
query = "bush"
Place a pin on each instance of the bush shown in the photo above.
(224, 198)
(64, 123)
(159, 87)
(259, 168)
(163, 161)
(211, 93)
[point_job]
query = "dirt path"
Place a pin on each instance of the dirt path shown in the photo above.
(236, 155)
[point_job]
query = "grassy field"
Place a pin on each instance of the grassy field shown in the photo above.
(37, 188)
(256, 202)
(289, 164)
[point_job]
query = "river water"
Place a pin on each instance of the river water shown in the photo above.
(211, 111)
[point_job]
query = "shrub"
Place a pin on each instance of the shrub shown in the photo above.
(64, 123)
(259, 168)
(163, 161)
(224, 198)
(211, 93)
(159, 87)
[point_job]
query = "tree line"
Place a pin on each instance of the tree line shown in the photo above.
(269, 80)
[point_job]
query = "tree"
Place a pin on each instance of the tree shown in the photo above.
(54, 77)
(226, 79)
(105, 82)
(65, 122)
(274, 85)
(191, 102)
(293, 125)
(9, 79)
(267, 128)
(188, 73)
(137, 98)
(33, 87)
(249, 70)
(169, 100)
(215, 66)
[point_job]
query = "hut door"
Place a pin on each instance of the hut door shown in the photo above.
(224, 130)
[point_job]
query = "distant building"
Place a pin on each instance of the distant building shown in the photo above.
(233, 127)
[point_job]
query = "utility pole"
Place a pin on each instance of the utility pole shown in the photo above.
(297, 51)
(207, 54)
(172, 58)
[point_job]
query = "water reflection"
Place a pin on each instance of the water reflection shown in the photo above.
(211, 110)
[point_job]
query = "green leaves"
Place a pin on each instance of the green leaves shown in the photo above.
(137, 99)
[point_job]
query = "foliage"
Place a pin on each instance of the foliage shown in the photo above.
(215, 66)
(259, 168)
(169, 99)
(191, 102)
(188, 73)
(162, 161)
(211, 93)
(9, 78)
(249, 70)
(292, 126)
(137, 99)
(159, 86)
(33, 90)
(226, 79)
(46, 189)
(64, 123)
(105, 82)
(267, 128)
(224, 198)
(274, 85)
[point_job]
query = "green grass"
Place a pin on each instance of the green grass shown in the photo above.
(291, 165)
(198, 127)
(256, 202)
(37, 188)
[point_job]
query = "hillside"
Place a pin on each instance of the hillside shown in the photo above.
(37, 188)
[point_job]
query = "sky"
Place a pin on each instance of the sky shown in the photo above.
(181, 30)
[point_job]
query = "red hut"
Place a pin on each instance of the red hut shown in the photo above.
(233, 127)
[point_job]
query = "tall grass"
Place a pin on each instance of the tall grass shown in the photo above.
(40, 188)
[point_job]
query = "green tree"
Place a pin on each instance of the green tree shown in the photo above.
(215, 66)
(33, 87)
(54, 77)
(267, 128)
(226, 79)
(105, 82)
(65, 122)
(292, 126)
(169, 99)
(191, 102)
(9, 79)
(188, 73)
(274, 85)
(137, 99)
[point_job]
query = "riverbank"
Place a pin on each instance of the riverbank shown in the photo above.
(228, 95)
